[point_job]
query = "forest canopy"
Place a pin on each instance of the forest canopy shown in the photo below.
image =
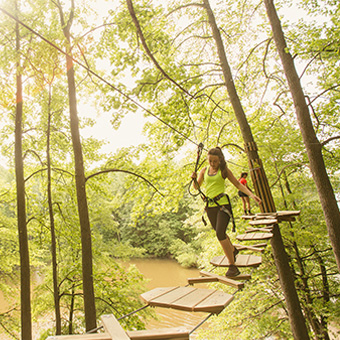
(103, 106)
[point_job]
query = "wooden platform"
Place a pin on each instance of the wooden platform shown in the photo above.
(254, 236)
(241, 261)
(188, 299)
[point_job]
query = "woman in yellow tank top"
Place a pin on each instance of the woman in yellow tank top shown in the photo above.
(214, 178)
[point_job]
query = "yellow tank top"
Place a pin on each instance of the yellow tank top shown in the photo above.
(215, 185)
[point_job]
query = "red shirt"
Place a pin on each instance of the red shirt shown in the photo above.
(243, 181)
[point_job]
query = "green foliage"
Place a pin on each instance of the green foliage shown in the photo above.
(137, 201)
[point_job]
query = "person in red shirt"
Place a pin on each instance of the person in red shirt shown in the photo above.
(244, 196)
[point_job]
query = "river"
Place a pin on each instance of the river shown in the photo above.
(160, 273)
(168, 273)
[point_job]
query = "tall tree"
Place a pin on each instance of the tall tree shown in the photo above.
(87, 265)
(25, 282)
(312, 144)
(56, 294)
(296, 317)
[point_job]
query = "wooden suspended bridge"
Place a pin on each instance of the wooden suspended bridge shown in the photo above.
(190, 298)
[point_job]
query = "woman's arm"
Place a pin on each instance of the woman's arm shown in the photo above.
(241, 187)
(200, 178)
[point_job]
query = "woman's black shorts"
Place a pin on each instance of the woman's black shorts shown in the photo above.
(242, 194)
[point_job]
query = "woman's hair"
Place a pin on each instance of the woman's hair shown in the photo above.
(223, 164)
(244, 174)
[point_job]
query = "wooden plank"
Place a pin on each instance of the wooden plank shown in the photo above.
(178, 333)
(173, 296)
(189, 301)
(264, 222)
(215, 303)
(154, 293)
(253, 248)
(248, 217)
(265, 230)
(193, 280)
(113, 328)
(95, 336)
(286, 218)
(254, 236)
(242, 277)
(289, 213)
(223, 279)
(264, 215)
(241, 261)
(264, 244)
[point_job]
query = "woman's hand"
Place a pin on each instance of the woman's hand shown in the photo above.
(194, 175)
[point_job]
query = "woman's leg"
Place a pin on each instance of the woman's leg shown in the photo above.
(228, 249)
(248, 203)
(244, 203)
(219, 221)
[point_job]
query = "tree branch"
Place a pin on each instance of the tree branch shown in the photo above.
(329, 140)
(146, 48)
(125, 171)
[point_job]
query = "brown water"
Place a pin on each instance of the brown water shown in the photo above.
(168, 273)
(160, 273)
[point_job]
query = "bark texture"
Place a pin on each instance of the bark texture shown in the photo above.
(313, 146)
(25, 281)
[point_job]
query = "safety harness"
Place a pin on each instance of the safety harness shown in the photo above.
(210, 200)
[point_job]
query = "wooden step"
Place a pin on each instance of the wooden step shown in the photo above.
(248, 217)
(269, 221)
(241, 261)
(113, 328)
(241, 247)
(288, 212)
(265, 230)
(254, 236)
(178, 333)
(201, 279)
(188, 299)
(223, 279)
(266, 215)
(285, 215)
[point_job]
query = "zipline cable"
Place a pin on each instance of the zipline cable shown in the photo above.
(97, 75)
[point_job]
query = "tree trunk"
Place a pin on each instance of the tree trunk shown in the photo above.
(25, 281)
(85, 229)
(262, 189)
(86, 242)
(314, 149)
(53, 237)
